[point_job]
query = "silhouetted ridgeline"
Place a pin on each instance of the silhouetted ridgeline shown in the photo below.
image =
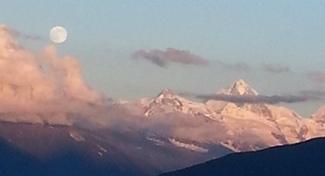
(303, 159)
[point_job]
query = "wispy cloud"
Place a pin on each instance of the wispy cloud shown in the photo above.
(163, 58)
(245, 67)
(276, 68)
(19, 34)
(316, 76)
(300, 96)
(238, 66)
(313, 94)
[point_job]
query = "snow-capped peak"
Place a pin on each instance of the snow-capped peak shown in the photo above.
(167, 96)
(166, 93)
(167, 102)
(240, 87)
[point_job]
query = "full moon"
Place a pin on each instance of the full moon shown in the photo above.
(58, 34)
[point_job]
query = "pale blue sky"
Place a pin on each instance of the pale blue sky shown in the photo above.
(103, 34)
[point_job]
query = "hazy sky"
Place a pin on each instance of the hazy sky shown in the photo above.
(277, 46)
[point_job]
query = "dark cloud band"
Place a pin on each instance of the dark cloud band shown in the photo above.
(275, 99)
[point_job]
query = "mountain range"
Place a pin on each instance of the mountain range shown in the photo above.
(238, 126)
(167, 132)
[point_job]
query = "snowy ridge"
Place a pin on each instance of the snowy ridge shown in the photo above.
(76, 136)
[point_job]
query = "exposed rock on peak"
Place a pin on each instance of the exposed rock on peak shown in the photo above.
(166, 93)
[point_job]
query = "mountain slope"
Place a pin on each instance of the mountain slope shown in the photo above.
(59, 150)
(301, 159)
(38, 149)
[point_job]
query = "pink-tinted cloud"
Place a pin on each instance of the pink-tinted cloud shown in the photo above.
(42, 87)
(170, 55)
